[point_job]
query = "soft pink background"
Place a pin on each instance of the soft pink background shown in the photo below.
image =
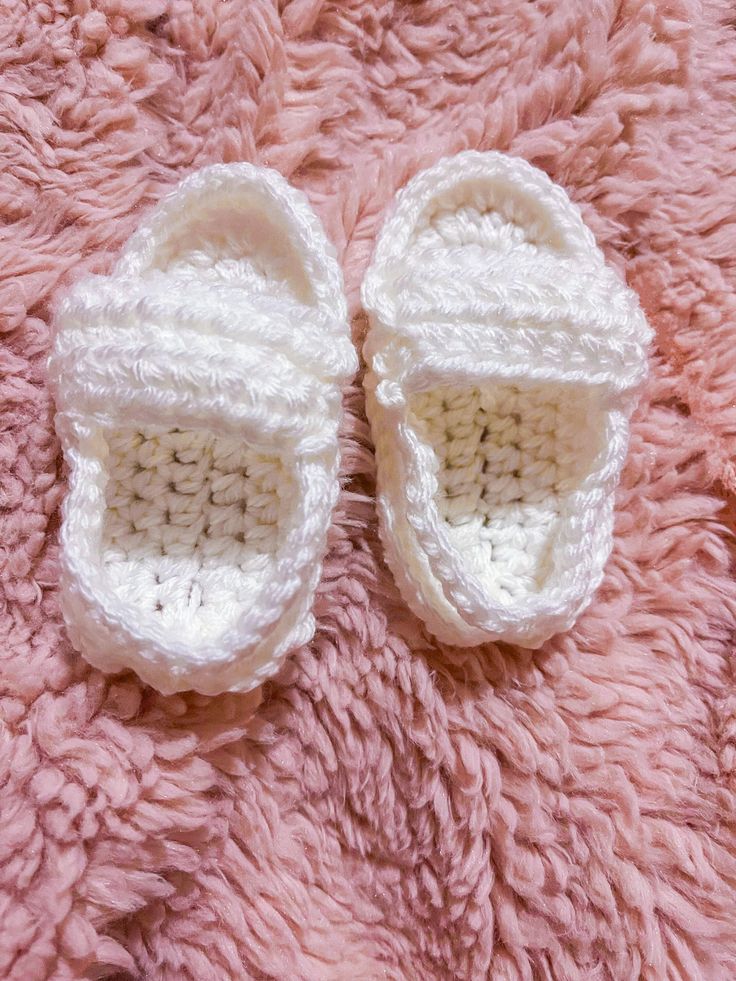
(393, 809)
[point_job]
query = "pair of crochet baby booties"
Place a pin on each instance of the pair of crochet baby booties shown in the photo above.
(198, 390)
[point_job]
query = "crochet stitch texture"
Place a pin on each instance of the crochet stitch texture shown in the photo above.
(504, 361)
(198, 390)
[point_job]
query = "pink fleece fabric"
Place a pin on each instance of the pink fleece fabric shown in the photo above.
(392, 808)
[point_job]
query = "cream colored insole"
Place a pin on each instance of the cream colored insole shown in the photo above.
(506, 459)
(192, 522)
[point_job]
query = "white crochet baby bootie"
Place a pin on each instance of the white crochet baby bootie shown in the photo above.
(504, 358)
(198, 397)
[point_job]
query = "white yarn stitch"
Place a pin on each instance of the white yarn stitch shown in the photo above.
(198, 392)
(504, 358)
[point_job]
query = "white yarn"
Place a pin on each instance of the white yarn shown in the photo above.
(504, 358)
(198, 390)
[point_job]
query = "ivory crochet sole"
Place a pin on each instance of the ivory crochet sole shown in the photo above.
(504, 358)
(198, 390)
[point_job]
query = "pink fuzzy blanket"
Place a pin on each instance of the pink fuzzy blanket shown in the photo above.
(392, 808)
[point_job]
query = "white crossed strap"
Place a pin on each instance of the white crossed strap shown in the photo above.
(252, 363)
(549, 318)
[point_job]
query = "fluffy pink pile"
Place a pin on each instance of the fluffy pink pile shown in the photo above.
(393, 808)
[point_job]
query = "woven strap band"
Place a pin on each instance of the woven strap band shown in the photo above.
(555, 323)
(152, 358)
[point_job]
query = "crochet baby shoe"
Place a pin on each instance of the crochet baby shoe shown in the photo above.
(504, 358)
(198, 397)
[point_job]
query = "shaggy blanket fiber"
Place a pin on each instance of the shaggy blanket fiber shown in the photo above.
(389, 808)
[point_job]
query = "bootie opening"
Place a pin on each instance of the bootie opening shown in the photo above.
(507, 458)
(192, 524)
